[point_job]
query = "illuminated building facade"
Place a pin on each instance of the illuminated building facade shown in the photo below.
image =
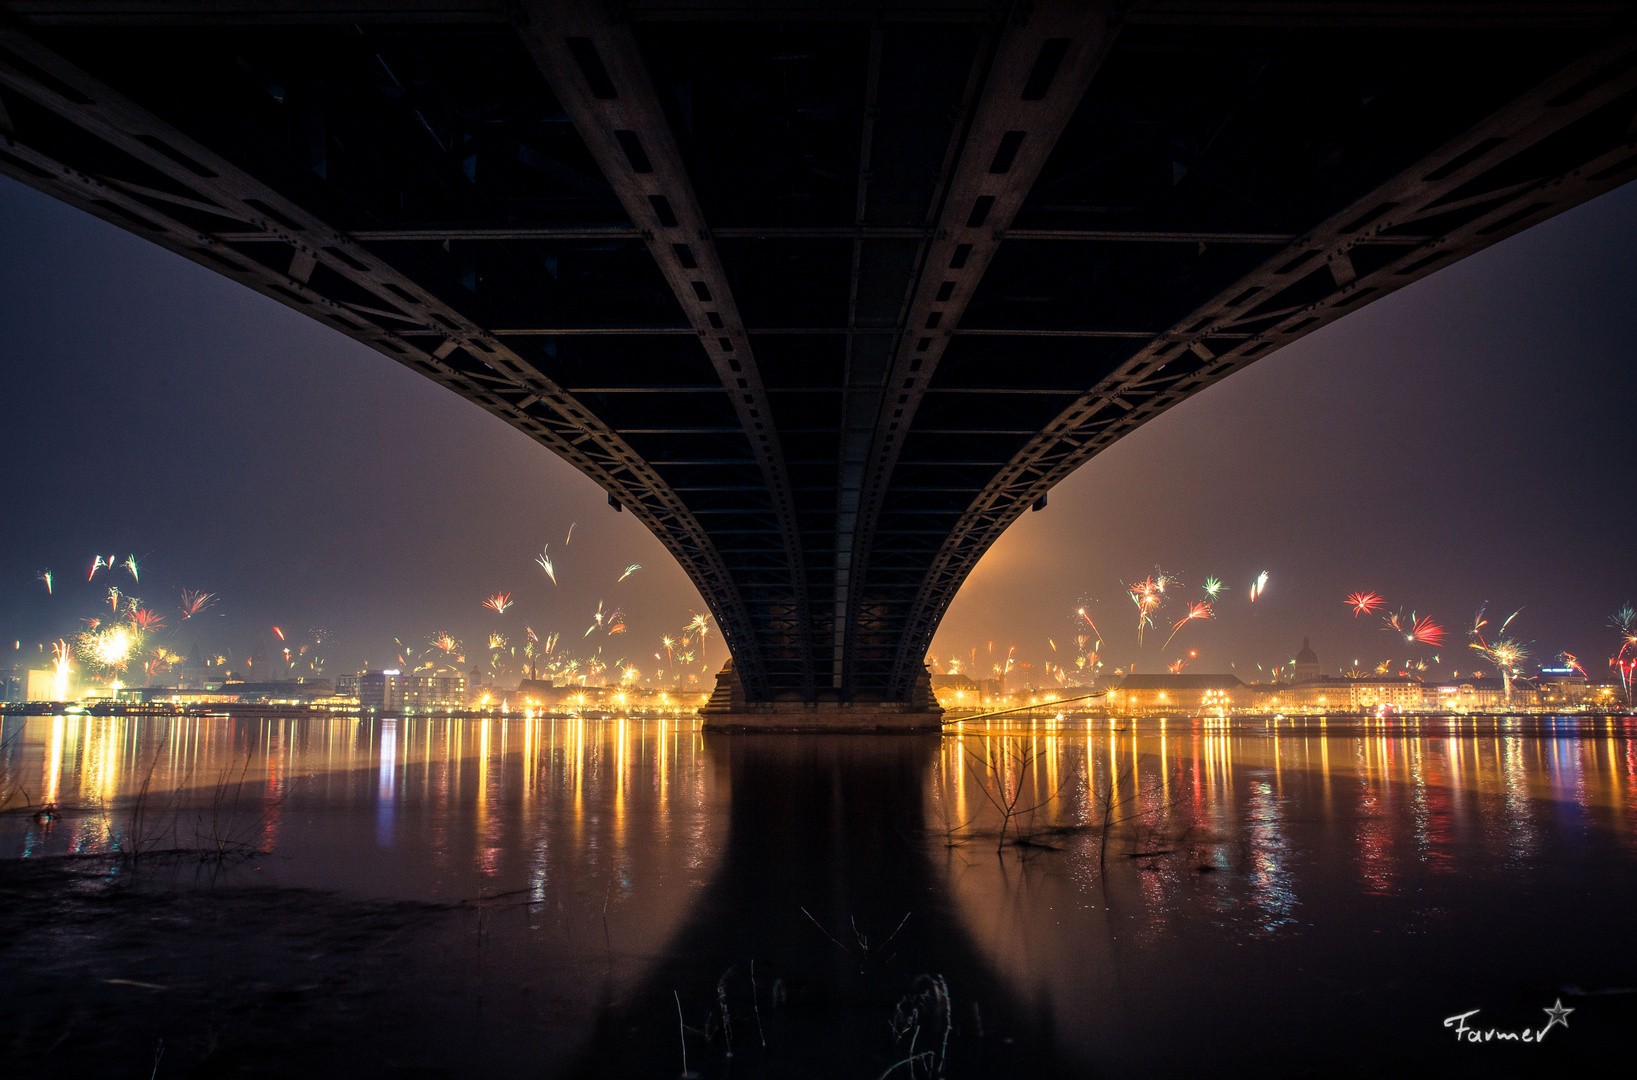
(1560, 688)
(393, 691)
(1480, 695)
(1402, 694)
(434, 691)
(956, 691)
(1177, 695)
(1315, 695)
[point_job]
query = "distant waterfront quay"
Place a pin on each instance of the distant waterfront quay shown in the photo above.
(1553, 692)
(1301, 691)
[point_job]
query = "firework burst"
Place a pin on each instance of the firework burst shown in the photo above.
(62, 655)
(109, 649)
(1200, 610)
(1417, 630)
(1259, 586)
(1147, 594)
(1505, 653)
(499, 602)
(1364, 603)
(544, 559)
(193, 602)
(1424, 631)
(1625, 661)
(1096, 632)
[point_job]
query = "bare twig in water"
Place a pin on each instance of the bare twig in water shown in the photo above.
(1006, 796)
(864, 942)
(865, 949)
(823, 931)
(756, 1004)
(12, 786)
(608, 941)
(722, 1003)
(226, 836)
(927, 1005)
(681, 1032)
(910, 1061)
(135, 839)
(1112, 798)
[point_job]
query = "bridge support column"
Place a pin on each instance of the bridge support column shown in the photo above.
(727, 710)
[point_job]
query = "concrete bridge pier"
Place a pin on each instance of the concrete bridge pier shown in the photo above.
(729, 711)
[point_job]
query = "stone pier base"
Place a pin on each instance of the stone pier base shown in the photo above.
(728, 711)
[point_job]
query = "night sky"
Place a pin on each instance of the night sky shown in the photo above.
(1467, 439)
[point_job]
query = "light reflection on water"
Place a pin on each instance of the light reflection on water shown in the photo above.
(1336, 877)
(452, 794)
(1237, 877)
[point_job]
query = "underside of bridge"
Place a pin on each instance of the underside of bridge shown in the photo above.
(826, 294)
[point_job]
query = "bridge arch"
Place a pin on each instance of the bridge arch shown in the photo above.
(826, 294)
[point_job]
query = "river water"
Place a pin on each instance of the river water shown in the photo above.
(573, 897)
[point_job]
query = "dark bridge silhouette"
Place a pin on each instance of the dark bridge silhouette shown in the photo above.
(826, 294)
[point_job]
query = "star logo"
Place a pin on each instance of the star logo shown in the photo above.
(1557, 1014)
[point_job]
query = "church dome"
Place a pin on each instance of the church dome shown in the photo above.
(1307, 655)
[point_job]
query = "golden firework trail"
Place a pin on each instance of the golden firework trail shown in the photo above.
(1200, 610)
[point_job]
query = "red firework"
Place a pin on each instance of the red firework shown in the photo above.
(1426, 632)
(1364, 603)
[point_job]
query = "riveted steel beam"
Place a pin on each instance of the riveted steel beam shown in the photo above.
(598, 74)
(1511, 171)
(801, 232)
(1043, 63)
(468, 360)
(1473, 14)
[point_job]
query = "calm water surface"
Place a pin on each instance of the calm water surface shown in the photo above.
(1048, 899)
